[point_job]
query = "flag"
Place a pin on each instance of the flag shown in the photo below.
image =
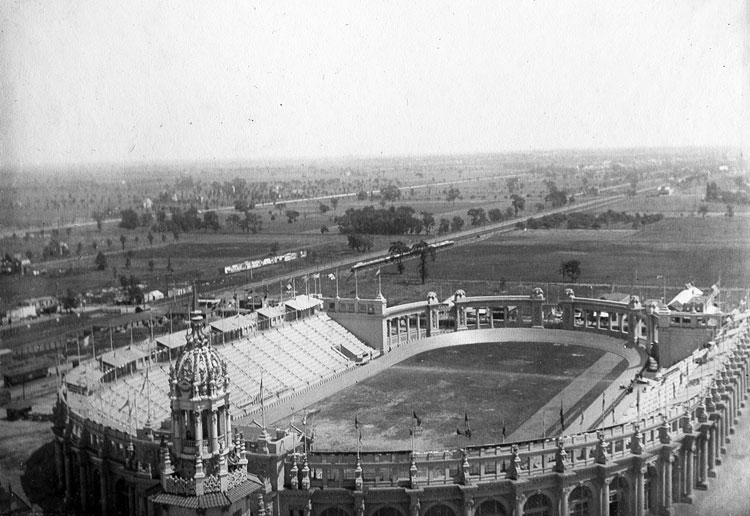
(126, 404)
(604, 403)
(581, 418)
(332, 276)
(466, 418)
(295, 428)
(360, 437)
(377, 272)
(468, 433)
(459, 431)
(289, 286)
(145, 381)
(316, 275)
(416, 418)
(503, 429)
(304, 419)
(356, 422)
(259, 397)
(562, 418)
(411, 431)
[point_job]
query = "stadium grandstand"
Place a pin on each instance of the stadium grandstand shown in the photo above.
(180, 426)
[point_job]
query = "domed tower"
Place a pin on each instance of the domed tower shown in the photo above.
(199, 399)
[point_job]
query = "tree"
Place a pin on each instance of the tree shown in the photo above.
(99, 218)
(423, 250)
(570, 270)
(274, 250)
(150, 237)
(129, 219)
(94, 245)
(137, 239)
(233, 220)
(101, 261)
(452, 194)
(241, 205)
(291, 216)
(362, 195)
(519, 203)
(251, 223)
(323, 229)
(397, 251)
(70, 300)
(428, 221)
(334, 203)
(390, 193)
(444, 226)
(79, 249)
(512, 184)
(151, 266)
(730, 211)
(478, 216)
(109, 243)
(324, 208)
(123, 239)
(495, 214)
(457, 223)
(360, 243)
(211, 220)
(703, 210)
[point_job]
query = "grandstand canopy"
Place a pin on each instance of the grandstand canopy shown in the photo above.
(122, 357)
(271, 312)
(238, 322)
(302, 303)
(172, 340)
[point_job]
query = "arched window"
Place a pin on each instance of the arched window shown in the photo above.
(618, 497)
(387, 511)
(490, 508)
(579, 501)
(334, 511)
(537, 505)
(440, 510)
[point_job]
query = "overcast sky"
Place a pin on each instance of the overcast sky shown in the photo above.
(99, 81)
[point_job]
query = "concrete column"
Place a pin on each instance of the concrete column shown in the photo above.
(103, 491)
(408, 328)
(520, 502)
(689, 478)
(199, 431)
(82, 484)
(604, 497)
(564, 492)
(68, 476)
(492, 317)
(228, 425)
(214, 432)
(59, 464)
(639, 502)
(667, 482)
(477, 325)
(388, 332)
(703, 461)
(419, 325)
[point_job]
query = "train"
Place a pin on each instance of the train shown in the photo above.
(388, 258)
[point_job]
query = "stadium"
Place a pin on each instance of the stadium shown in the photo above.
(202, 422)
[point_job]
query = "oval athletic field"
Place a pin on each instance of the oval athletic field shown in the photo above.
(495, 384)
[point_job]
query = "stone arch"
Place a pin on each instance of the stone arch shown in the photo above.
(440, 509)
(580, 501)
(619, 496)
(332, 510)
(388, 510)
(492, 507)
(538, 504)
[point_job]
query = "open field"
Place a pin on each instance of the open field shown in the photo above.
(493, 383)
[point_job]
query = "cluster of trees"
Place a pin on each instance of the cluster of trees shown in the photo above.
(251, 223)
(716, 194)
(180, 221)
(578, 220)
(422, 250)
(380, 221)
(556, 197)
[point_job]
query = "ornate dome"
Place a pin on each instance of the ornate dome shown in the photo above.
(200, 370)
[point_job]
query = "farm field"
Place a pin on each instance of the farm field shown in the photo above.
(491, 383)
(683, 249)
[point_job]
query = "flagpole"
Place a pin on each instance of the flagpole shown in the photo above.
(380, 290)
(337, 282)
(356, 286)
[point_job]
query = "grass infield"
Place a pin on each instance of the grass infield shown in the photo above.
(494, 384)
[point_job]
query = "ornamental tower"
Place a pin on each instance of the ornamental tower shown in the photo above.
(201, 420)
